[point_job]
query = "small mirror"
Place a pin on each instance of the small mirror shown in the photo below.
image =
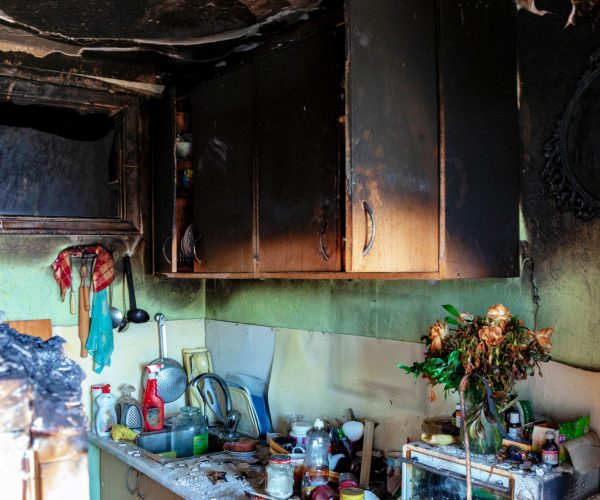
(572, 168)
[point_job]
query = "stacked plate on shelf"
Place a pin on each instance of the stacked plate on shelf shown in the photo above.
(187, 242)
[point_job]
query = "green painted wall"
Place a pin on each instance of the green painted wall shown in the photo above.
(28, 289)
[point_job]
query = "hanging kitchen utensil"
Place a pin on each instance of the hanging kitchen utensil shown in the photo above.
(84, 317)
(171, 381)
(134, 314)
(71, 293)
(124, 323)
(116, 316)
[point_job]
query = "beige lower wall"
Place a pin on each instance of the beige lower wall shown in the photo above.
(134, 348)
(319, 374)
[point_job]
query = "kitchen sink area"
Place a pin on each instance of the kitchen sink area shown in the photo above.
(157, 444)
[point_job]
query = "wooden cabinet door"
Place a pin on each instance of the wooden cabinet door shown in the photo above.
(151, 490)
(223, 174)
(163, 180)
(393, 183)
(298, 101)
(112, 478)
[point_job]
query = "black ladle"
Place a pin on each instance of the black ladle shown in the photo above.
(134, 314)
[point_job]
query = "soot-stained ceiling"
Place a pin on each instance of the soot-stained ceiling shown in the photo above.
(181, 31)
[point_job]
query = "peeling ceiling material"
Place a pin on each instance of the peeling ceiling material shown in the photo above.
(582, 11)
(115, 23)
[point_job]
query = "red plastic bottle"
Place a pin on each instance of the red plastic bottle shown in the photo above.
(153, 408)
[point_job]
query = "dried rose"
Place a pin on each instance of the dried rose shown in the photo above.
(491, 334)
(437, 333)
(498, 314)
(543, 338)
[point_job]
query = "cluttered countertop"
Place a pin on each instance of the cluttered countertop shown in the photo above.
(216, 475)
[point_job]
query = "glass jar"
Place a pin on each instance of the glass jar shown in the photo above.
(280, 476)
(189, 436)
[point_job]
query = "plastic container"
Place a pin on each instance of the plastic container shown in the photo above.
(96, 391)
(189, 436)
(316, 460)
(106, 416)
(128, 410)
(153, 408)
(299, 431)
(280, 476)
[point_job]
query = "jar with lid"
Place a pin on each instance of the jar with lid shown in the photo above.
(299, 431)
(280, 476)
(189, 436)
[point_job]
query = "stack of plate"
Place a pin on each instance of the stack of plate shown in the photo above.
(242, 455)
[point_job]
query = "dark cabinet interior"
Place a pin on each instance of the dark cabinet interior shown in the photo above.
(364, 150)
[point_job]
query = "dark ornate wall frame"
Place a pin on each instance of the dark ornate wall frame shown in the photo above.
(71, 96)
(573, 182)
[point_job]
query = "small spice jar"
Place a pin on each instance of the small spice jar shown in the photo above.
(280, 476)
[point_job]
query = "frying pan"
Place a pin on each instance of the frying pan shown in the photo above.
(172, 380)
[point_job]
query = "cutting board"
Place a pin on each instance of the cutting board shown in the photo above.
(35, 327)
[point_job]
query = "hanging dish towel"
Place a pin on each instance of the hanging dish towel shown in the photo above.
(100, 341)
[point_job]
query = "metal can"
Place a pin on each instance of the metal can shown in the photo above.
(324, 492)
(352, 494)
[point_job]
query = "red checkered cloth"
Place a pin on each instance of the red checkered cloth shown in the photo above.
(104, 268)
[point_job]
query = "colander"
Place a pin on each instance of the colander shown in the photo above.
(171, 381)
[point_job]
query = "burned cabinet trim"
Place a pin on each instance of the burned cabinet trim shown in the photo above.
(129, 130)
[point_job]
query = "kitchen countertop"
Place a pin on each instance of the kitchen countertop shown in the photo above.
(190, 478)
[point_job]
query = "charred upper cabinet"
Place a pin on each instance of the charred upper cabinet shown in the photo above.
(297, 156)
(266, 184)
(223, 113)
(163, 180)
(427, 132)
(433, 138)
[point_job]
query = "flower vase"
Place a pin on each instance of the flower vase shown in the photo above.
(484, 434)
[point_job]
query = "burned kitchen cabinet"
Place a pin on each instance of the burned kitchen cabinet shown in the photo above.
(72, 154)
(393, 181)
(223, 113)
(384, 146)
(433, 166)
(298, 104)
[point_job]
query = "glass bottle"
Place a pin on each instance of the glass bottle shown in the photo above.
(280, 476)
(189, 436)
(316, 460)
(457, 416)
(514, 427)
(550, 450)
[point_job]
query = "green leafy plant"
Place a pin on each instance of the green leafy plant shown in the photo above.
(496, 346)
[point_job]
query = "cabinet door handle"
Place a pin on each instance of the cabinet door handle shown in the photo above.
(129, 489)
(140, 495)
(194, 250)
(369, 245)
(164, 249)
(322, 243)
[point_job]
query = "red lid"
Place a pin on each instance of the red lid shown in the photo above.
(280, 459)
(106, 389)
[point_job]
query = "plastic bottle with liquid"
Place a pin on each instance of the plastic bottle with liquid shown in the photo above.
(316, 460)
(153, 408)
(106, 416)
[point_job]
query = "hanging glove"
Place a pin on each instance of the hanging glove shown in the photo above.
(100, 342)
